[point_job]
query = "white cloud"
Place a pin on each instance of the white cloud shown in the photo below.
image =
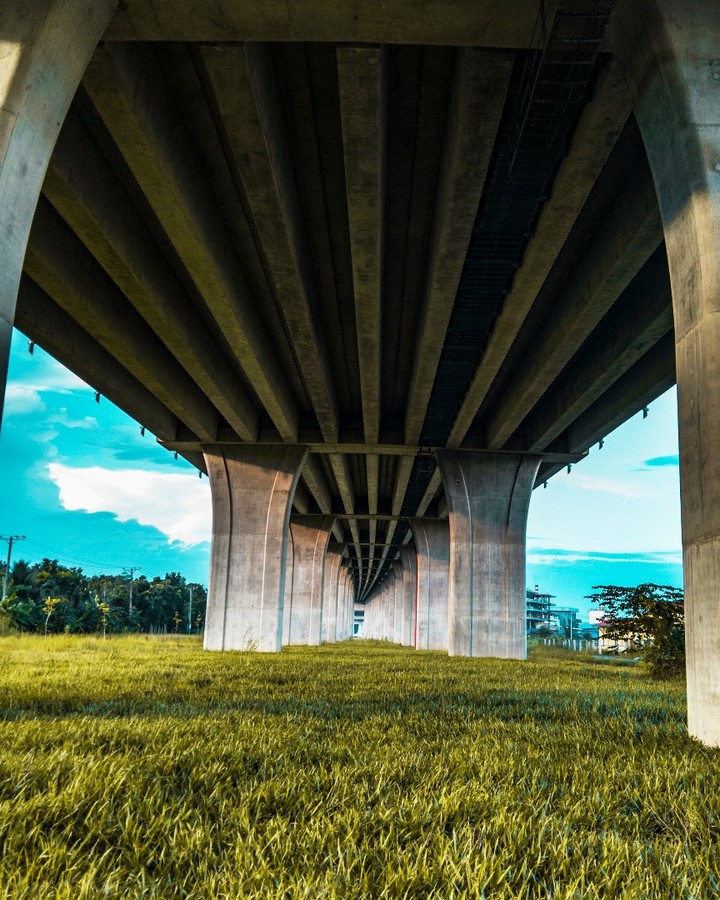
(177, 505)
(22, 400)
(560, 557)
(87, 423)
(618, 487)
(24, 396)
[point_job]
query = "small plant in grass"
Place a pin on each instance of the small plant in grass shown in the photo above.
(104, 610)
(651, 618)
(49, 606)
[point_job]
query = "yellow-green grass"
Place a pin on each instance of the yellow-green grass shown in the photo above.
(143, 767)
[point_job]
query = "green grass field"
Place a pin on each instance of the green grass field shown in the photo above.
(143, 767)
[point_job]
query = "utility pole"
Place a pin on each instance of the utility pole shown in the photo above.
(132, 570)
(190, 611)
(10, 539)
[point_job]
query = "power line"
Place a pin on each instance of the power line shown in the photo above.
(75, 559)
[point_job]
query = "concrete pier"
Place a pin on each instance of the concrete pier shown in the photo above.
(398, 604)
(408, 557)
(252, 491)
(432, 539)
(488, 498)
(308, 542)
(332, 606)
(670, 55)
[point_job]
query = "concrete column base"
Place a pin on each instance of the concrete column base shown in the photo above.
(432, 539)
(408, 556)
(252, 492)
(331, 594)
(488, 496)
(398, 604)
(304, 601)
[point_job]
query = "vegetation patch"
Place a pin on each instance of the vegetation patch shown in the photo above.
(144, 767)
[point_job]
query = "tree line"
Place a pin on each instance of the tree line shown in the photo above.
(52, 598)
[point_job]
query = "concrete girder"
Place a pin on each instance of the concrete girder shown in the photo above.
(126, 89)
(301, 499)
(83, 188)
(313, 476)
(601, 122)
(477, 100)
(59, 262)
(44, 44)
(362, 82)
(625, 238)
(341, 472)
(650, 377)
(433, 487)
(39, 317)
(244, 86)
(643, 316)
(492, 23)
(647, 380)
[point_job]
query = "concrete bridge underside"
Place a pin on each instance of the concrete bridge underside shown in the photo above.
(378, 271)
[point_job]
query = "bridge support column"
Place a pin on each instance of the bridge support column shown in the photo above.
(488, 496)
(432, 540)
(252, 491)
(342, 630)
(308, 545)
(408, 556)
(332, 607)
(670, 55)
(46, 48)
(350, 593)
(398, 617)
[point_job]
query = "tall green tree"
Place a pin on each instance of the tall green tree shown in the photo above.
(651, 617)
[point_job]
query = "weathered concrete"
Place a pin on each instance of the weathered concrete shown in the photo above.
(398, 604)
(488, 499)
(332, 608)
(408, 556)
(670, 53)
(346, 604)
(626, 237)
(595, 135)
(246, 92)
(58, 262)
(45, 48)
(83, 188)
(493, 23)
(350, 596)
(470, 137)
(126, 87)
(252, 490)
(432, 539)
(308, 540)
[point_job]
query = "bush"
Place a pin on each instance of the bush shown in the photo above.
(650, 617)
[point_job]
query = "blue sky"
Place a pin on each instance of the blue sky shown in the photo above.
(86, 488)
